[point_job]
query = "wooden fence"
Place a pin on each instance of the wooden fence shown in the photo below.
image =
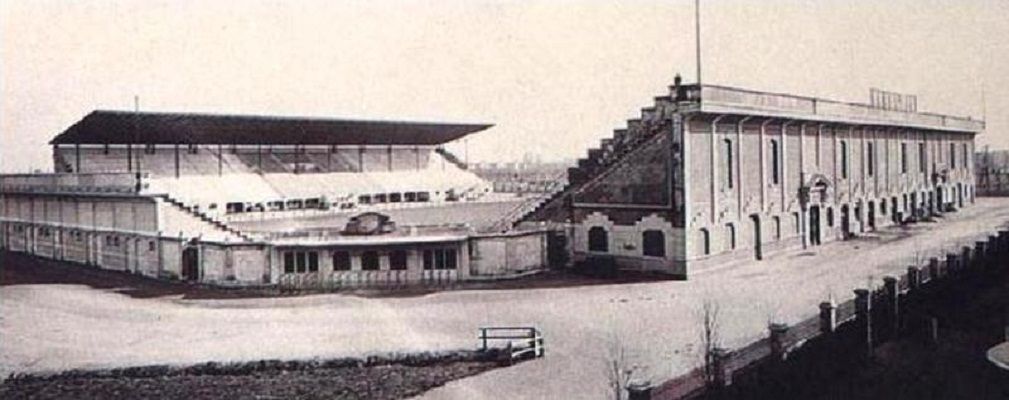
(520, 342)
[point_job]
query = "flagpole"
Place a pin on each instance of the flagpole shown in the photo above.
(697, 37)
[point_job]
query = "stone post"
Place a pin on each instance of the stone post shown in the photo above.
(914, 275)
(719, 360)
(952, 262)
(639, 390)
(828, 317)
(863, 316)
(892, 289)
(777, 337)
(965, 259)
(980, 256)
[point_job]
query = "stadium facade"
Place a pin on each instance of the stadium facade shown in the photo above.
(247, 200)
(713, 174)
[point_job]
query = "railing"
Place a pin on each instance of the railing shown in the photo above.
(113, 182)
(521, 342)
(802, 105)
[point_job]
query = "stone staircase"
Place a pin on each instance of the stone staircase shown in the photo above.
(204, 217)
(611, 152)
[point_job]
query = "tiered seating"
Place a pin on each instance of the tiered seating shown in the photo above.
(212, 193)
(611, 151)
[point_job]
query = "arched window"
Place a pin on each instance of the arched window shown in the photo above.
(598, 240)
(705, 241)
(882, 207)
(341, 261)
(730, 232)
(777, 227)
(653, 243)
(871, 165)
(796, 223)
(369, 261)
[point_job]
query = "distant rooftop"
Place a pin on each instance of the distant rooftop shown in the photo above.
(729, 100)
(122, 127)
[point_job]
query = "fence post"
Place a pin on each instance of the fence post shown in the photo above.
(952, 262)
(979, 256)
(892, 305)
(722, 377)
(777, 338)
(863, 306)
(639, 390)
(965, 259)
(828, 317)
(914, 275)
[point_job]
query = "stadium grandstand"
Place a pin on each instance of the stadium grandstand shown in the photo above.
(255, 200)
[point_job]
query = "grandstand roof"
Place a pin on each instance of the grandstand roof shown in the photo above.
(120, 127)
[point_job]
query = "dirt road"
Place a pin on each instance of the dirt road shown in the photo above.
(45, 327)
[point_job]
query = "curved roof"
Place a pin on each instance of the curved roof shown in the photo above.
(120, 127)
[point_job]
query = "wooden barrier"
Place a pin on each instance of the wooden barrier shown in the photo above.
(521, 342)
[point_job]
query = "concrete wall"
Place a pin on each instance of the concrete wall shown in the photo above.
(508, 254)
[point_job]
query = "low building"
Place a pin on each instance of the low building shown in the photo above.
(248, 201)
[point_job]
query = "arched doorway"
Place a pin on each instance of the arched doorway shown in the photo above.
(845, 222)
(872, 215)
(190, 264)
(814, 225)
(940, 201)
(757, 239)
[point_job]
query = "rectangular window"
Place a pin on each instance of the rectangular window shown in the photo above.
(302, 262)
(313, 261)
(341, 261)
(871, 167)
(844, 160)
(903, 158)
(428, 259)
(952, 156)
(395, 197)
(965, 156)
(150, 246)
(423, 197)
(439, 259)
(288, 262)
(397, 260)
(450, 259)
(921, 157)
(364, 199)
(410, 197)
(728, 162)
(774, 162)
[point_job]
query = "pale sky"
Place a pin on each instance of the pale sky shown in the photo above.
(553, 76)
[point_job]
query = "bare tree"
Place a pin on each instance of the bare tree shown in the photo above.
(710, 337)
(619, 370)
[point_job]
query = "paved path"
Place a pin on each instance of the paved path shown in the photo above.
(45, 327)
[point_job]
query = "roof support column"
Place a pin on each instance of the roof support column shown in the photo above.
(129, 156)
(176, 160)
(77, 158)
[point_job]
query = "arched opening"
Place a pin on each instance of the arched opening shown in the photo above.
(705, 241)
(341, 261)
(653, 243)
(845, 222)
(730, 234)
(757, 251)
(814, 225)
(872, 215)
(190, 264)
(397, 260)
(598, 239)
(777, 227)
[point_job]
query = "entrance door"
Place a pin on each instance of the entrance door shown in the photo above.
(845, 223)
(814, 225)
(190, 264)
(557, 248)
(939, 200)
(757, 238)
(872, 215)
(893, 210)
